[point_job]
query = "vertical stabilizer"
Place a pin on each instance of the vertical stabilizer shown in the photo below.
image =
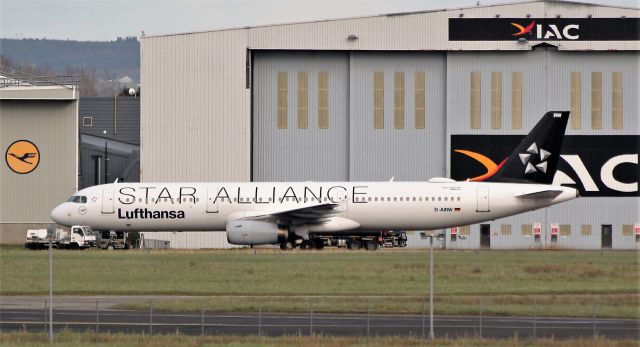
(536, 157)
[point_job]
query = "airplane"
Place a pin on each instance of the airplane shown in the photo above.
(290, 213)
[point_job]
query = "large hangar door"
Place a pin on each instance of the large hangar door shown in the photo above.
(300, 116)
(397, 107)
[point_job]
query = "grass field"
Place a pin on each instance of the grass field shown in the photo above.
(507, 282)
(88, 339)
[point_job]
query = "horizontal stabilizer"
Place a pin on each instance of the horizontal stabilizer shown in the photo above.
(544, 194)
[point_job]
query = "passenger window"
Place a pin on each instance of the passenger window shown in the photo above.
(400, 198)
(458, 198)
(395, 198)
(439, 198)
(445, 198)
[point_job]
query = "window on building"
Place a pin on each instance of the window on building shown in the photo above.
(496, 100)
(283, 100)
(616, 115)
(565, 229)
(398, 100)
(475, 100)
(516, 100)
(87, 121)
(585, 230)
(323, 100)
(420, 99)
(303, 100)
(378, 100)
(464, 230)
(525, 229)
(576, 100)
(596, 100)
(627, 230)
(505, 229)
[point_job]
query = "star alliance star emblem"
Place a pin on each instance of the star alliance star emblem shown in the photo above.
(529, 157)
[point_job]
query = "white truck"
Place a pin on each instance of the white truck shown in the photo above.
(79, 237)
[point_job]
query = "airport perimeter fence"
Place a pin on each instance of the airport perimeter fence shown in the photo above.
(366, 316)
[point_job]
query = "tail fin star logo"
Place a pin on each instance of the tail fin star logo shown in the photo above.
(523, 30)
(529, 158)
(22, 157)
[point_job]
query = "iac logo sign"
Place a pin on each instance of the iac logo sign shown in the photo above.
(548, 31)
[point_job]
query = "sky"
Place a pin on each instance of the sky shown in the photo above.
(100, 20)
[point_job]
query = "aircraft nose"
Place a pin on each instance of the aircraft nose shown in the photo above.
(59, 214)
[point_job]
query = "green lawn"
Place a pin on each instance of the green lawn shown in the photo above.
(506, 282)
(119, 340)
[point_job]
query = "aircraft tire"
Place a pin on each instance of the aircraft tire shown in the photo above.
(110, 247)
(284, 246)
(305, 244)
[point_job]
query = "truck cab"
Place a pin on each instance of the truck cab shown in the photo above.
(79, 237)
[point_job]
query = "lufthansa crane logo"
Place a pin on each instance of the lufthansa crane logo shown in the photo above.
(22, 157)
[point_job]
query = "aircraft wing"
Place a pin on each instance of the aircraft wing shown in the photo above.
(543, 194)
(305, 215)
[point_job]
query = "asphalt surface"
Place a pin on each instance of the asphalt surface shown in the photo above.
(16, 317)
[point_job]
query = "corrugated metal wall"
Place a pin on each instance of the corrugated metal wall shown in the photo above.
(407, 153)
(191, 239)
(428, 30)
(119, 116)
(195, 116)
(300, 152)
(52, 127)
(351, 148)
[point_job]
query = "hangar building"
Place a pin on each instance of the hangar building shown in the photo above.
(39, 141)
(109, 140)
(396, 95)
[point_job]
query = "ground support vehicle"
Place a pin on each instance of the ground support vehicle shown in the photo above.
(114, 240)
(370, 242)
(79, 237)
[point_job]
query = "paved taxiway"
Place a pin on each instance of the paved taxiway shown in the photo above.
(329, 324)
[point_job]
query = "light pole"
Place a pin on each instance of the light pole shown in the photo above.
(430, 235)
(106, 159)
(51, 235)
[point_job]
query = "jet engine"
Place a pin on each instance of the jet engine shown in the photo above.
(245, 232)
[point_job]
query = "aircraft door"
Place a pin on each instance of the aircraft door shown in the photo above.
(483, 200)
(107, 200)
(212, 202)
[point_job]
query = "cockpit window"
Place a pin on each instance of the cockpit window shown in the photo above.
(78, 199)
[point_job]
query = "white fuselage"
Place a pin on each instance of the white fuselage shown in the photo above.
(365, 205)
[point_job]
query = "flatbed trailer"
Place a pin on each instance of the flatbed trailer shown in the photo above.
(370, 242)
